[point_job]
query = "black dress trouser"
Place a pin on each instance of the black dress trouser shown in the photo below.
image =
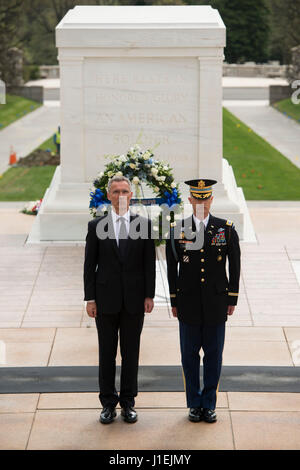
(129, 328)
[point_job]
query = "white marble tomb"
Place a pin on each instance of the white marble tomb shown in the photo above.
(131, 70)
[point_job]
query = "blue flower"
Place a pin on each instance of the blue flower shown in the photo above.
(171, 198)
(97, 198)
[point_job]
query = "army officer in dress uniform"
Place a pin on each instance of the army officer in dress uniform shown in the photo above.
(202, 296)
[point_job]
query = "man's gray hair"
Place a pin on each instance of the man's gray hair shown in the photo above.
(117, 179)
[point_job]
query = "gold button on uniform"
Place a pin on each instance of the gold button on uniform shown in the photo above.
(202, 260)
(202, 270)
(202, 280)
(202, 250)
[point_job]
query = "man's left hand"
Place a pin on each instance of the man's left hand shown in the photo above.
(148, 305)
(230, 309)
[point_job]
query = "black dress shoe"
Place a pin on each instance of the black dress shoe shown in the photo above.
(195, 415)
(107, 415)
(129, 414)
(209, 416)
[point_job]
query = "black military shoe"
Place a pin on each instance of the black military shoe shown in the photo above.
(129, 414)
(107, 415)
(209, 416)
(195, 415)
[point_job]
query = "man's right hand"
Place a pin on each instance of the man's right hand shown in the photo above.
(91, 308)
(174, 311)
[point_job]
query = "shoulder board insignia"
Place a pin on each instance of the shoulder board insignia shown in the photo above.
(229, 222)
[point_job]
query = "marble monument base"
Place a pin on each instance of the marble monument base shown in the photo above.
(64, 213)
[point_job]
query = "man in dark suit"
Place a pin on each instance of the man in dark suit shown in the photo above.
(202, 296)
(119, 285)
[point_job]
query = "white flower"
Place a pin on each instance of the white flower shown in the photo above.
(100, 174)
(110, 173)
(156, 189)
(136, 180)
(133, 151)
(166, 168)
(132, 165)
(173, 185)
(146, 155)
(154, 170)
(119, 173)
(122, 158)
(162, 178)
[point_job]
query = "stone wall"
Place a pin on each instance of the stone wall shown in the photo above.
(279, 92)
(35, 93)
(49, 71)
(251, 69)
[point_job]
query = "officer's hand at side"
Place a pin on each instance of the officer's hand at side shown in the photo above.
(91, 308)
(148, 305)
(230, 309)
(174, 311)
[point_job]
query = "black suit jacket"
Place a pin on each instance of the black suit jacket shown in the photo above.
(112, 281)
(201, 290)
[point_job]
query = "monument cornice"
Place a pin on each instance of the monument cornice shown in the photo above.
(138, 38)
(95, 16)
(77, 53)
(141, 26)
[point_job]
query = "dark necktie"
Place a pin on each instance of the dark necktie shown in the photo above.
(122, 236)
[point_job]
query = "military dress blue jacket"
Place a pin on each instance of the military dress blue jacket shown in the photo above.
(203, 282)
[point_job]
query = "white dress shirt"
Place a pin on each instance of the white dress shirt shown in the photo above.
(117, 224)
(198, 221)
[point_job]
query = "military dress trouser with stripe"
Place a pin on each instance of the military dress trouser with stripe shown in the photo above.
(211, 340)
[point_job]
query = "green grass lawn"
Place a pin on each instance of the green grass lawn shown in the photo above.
(288, 108)
(262, 171)
(15, 108)
(25, 184)
(49, 144)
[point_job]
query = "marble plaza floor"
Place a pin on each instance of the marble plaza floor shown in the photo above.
(43, 323)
